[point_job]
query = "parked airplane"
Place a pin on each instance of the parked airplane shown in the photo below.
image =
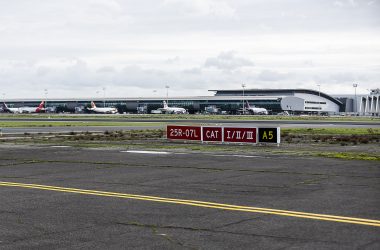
(255, 111)
(172, 110)
(102, 110)
(20, 110)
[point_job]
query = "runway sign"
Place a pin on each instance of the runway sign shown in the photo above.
(244, 135)
(210, 134)
(176, 132)
(250, 135)
(269, 135)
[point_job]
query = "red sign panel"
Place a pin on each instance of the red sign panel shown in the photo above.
(246, 135)
(183, 133)
(212, 134)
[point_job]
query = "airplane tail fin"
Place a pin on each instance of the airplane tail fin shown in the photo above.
(165, 105)
(248, 106)
(41, 106)
(93, 106)
(4, 106)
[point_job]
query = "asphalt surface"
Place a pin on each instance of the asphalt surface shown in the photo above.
(41, 217)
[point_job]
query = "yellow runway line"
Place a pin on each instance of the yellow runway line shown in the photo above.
(323, 217)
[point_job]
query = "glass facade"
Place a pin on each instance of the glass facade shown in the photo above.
(224, 104)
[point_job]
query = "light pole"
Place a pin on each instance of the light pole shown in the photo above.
(243, 86)
(167, 94)
(46, 94)
(319, 100)
(104, 97)
(355, 108)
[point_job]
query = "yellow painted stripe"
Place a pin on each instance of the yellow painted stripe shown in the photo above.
(196, 203)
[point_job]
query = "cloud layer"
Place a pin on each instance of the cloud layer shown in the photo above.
(135, 48)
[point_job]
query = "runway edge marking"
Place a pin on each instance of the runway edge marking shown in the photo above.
(324, 217)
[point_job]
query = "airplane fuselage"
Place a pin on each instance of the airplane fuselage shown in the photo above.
(172, 110)
(24, 110)
(104, 110)
(257, 111)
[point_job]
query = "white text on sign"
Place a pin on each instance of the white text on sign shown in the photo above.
(184, 132)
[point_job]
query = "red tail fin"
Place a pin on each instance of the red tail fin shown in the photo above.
(41, 106)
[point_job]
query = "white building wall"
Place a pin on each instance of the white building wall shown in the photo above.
(369, 105)
(325, 106)
(291, 103)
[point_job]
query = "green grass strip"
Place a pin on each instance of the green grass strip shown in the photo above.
(348, 156)
(201, 117)
(331, 131)
(13, 124)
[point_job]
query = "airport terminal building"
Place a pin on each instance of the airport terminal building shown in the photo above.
(365, 105)
(291, 100)
(296, 101)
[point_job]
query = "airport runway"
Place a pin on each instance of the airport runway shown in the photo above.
(57, 197)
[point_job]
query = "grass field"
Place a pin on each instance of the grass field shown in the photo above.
(284, 131)
(14, 124)
(316, 142)
(331, 131)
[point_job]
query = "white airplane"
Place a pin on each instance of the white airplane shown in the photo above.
(172, 110)
(255, 111)
(102, 110)
(20, 110)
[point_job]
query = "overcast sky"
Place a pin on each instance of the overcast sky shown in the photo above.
(132, 48)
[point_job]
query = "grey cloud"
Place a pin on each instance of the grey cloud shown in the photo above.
(351, 3)
(194, 71)
(79, 74)
(42, 71)
(166, 42)
(151, 78)
(88, 18)
(106, 69)
(173, 60)
(350, 77)
(228, 61)
(136, 76)
(213, 8)
(270, 75)
(343, 77)
(308, 63)
(79, 79)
